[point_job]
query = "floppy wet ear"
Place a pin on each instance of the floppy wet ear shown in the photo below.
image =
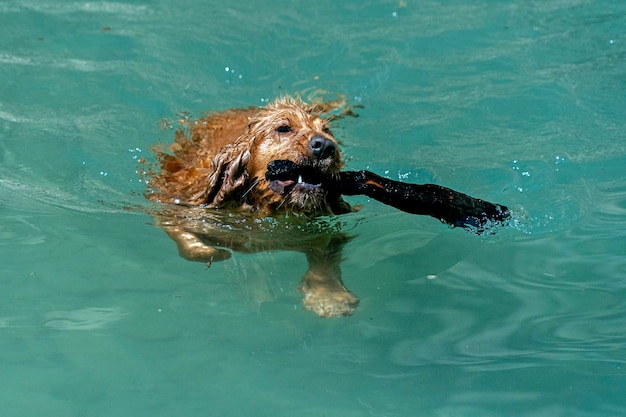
(229, 174)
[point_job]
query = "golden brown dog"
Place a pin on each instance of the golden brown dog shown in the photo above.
(217, 166)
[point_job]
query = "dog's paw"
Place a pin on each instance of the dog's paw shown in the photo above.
(330, 301)
(192, 248)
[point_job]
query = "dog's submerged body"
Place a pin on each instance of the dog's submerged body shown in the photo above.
(219, 164)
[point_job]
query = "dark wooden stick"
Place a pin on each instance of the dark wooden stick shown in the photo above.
(449, 206)
(445, 204)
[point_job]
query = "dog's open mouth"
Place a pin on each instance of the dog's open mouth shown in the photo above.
(287, 176)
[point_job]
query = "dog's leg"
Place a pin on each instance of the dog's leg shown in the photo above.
(193, 248)
(324, 292)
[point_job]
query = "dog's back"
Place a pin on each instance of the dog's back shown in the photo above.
(187, 164)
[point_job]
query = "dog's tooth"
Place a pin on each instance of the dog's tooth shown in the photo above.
(300, 179)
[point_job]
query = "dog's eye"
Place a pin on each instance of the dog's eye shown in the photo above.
(283, 129)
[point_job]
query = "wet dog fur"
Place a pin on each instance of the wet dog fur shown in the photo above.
(218, 165)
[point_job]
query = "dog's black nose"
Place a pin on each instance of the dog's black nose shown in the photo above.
(322, 147)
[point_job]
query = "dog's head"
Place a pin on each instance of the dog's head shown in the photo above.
(294, 133)
(289, 130)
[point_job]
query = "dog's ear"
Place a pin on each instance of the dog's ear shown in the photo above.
(229, 175)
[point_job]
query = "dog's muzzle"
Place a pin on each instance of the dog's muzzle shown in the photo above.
(284, 175)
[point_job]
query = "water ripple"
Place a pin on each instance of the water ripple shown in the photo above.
(84, 319)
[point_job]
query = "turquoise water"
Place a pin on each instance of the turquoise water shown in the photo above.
(519, 102)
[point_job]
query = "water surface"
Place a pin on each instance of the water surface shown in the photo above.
(521, 103)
